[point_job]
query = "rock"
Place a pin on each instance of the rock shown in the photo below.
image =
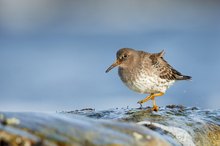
(172, 125)
(36, 129)
(188, 126)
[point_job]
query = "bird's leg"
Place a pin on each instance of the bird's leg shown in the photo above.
(155, 107)
(145, 99)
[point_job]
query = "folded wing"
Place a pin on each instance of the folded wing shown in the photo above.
(164, 70)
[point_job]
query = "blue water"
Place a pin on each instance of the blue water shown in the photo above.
(55, 58)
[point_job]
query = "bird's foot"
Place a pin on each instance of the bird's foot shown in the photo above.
(140, 105)
(140, 102)
(155, 108)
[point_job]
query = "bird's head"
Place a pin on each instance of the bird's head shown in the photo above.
(124, 58)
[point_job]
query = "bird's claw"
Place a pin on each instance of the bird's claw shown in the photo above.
(155, 108)
(140, 102)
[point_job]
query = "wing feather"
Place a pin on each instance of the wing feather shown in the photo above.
(163, 69)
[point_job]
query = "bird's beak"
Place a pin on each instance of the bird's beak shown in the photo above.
(116, 63)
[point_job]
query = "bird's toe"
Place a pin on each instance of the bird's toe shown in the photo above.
(155, 108)
(140, 102)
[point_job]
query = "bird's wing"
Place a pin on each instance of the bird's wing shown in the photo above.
(163, 69)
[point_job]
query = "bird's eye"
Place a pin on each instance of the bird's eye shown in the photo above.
(125, 56)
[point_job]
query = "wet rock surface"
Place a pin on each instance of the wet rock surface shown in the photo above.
(36, 129)
(187, 126)
(172, 125)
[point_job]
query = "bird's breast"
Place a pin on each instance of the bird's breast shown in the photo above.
(143, 81)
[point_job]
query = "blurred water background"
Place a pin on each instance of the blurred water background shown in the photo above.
(53, 54)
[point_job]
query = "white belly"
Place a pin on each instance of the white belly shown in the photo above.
(149, 84)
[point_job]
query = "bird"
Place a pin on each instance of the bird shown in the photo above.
(146, 73)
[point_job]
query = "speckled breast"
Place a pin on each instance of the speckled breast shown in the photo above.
(143, 82)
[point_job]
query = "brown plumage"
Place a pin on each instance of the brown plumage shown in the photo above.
(164, 70)
(146, 72)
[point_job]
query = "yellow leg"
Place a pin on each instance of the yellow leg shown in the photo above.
(155, 107)
(145, 99)
(151, 97)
